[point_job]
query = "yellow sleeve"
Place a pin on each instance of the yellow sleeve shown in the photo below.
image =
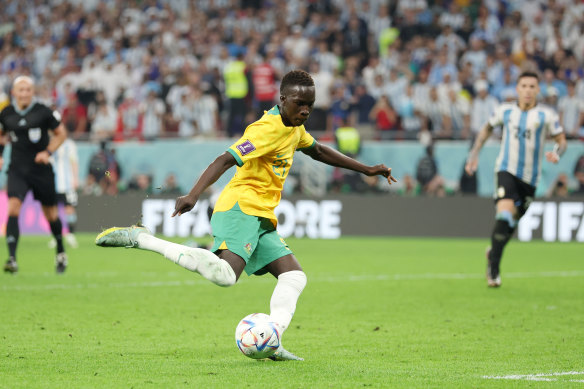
(306, 140)
(257, 140)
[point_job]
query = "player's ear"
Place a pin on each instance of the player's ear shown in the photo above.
(282, 98)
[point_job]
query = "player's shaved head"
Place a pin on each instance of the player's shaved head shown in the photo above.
(295, 78)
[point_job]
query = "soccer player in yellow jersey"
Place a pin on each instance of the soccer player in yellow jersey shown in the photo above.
(243, 222)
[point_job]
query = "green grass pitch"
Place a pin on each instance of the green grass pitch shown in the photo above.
(405, 313)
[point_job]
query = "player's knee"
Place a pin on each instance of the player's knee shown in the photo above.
(506, 216)
(227, 277)
(295, 278)
(504, 227)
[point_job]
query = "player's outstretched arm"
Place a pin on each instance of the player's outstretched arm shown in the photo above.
(559, 148)
(209, 177)
(332, 157)
(472, 161)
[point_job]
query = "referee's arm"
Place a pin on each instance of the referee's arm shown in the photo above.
(3, 141)
(59, 136)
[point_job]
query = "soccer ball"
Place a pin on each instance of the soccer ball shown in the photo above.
(257, 336)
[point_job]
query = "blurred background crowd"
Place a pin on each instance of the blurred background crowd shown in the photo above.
(423, 70)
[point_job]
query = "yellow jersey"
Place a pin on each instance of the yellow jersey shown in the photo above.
(264, 156)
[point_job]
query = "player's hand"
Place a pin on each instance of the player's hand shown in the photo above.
(552, 156)
(471, 166)
(1, 162)
(382, 170)
(42, 157)
(183, 204)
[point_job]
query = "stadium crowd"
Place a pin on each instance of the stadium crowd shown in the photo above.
(147, 69)
(393, 69)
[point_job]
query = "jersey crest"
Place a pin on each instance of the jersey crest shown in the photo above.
(34, 134)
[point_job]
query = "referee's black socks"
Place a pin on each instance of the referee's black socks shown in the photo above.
(12, 235)
(57, 230)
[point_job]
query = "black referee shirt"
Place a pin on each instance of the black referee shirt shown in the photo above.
(29, 134)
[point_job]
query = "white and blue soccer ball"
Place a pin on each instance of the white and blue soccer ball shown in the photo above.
(257, 336)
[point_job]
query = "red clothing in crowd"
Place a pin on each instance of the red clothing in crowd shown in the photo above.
(264, 83)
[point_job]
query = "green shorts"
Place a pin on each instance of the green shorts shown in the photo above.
(253, 238)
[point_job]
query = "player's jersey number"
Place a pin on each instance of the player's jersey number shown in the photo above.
(279, 167)
(522, 134)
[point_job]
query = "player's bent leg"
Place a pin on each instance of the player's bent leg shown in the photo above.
(491, 282)
(291, 283)
(505, 224)
(285, 296)
(204, 262)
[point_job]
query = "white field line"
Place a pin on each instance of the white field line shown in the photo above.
(537, 377)
(197, 280)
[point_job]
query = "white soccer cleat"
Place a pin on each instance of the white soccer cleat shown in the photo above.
(52, 243)
(494, 282)
(282, 354)
(121, 236)
(71, 240)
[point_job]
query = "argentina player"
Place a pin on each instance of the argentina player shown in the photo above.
(525, 125)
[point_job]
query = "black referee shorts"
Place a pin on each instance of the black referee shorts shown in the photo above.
(42, 186)
(511, 187)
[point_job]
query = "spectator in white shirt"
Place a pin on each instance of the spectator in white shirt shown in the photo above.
(483, 105)
(206, 112)
(453, 43)
(476, 56)
(571, 111)
(104, 122)
(152, 110)
(184, 114)
(457, 118)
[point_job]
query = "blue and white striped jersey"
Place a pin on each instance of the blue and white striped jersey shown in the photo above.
(65, 163)
(524, 134)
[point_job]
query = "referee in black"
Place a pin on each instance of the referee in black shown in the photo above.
(35, 132)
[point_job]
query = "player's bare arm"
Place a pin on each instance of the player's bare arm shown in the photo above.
(59, 136)
(559, 148)
(213, 172)
(473, 157)
(332, 157)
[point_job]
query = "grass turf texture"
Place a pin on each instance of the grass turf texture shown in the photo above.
(376, 312)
